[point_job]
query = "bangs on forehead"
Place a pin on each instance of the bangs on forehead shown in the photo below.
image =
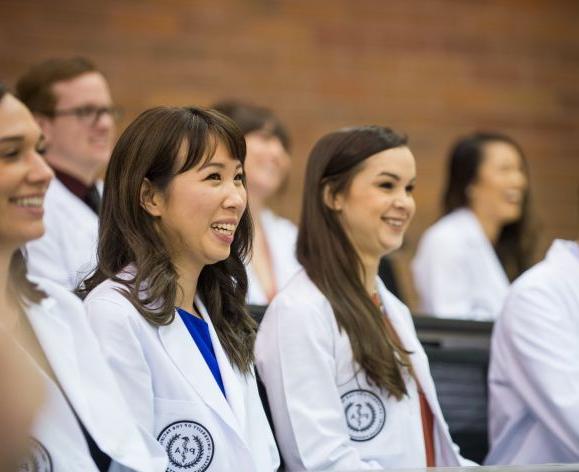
(203, 138)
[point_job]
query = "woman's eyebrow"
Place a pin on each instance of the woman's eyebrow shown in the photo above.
(389, 174)
(11, 139)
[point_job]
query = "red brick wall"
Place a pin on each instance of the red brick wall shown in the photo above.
(432, 68)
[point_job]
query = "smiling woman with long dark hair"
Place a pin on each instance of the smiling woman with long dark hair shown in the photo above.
(348, 383)
(466, 260)
(167, 298)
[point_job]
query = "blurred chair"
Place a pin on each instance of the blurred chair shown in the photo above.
(458, 352)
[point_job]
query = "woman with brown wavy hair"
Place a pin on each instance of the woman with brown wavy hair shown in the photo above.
(167, 298)
(347, 380)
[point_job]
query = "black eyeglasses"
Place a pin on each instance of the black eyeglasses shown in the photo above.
(90, 114)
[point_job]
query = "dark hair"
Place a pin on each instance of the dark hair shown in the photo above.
(251, 118)
(515, 246)
(34, 88)
(330, 260)
(148, 149)
(19, 286)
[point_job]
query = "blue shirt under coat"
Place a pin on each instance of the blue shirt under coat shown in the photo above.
(199, 330)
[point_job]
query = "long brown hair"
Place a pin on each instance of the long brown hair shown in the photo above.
(515, 246)
(148, 149)
(330, 260)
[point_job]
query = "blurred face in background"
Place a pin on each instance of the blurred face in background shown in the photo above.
(24, 175)
(267, 164)
(499, 190)
(81, 135)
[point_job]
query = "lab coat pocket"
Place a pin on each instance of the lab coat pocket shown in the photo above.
(182, 430)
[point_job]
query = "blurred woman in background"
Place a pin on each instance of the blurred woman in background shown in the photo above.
(84, 423)
(347, 380)
(266, 166)
(465, 261)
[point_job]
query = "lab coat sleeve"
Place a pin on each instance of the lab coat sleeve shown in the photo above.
(543, 351)
(117, 335)
(45, 258)
(295, 359)
(441, 277)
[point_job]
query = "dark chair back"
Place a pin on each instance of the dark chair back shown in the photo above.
(458, 352)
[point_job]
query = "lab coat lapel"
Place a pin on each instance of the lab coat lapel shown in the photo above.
(57, 343)
(483, 244)
(85, 388)
(406, 333)
(181, 348)
(231, 380)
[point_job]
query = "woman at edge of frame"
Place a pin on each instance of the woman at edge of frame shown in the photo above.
(83, 422)
(347, 380)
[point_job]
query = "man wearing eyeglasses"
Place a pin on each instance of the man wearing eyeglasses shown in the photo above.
(72, 103)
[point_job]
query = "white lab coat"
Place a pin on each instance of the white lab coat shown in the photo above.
(281, 236)
(173, 393)
(66, 253)
(456, 271)
(326, 415)
(534, 369)
(59, 322)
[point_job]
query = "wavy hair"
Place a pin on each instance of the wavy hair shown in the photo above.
(148, 149)
(330, 260)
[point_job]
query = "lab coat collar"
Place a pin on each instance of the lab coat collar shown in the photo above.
(180, 346)
(60, 342)
(472, 227)
(397, 315)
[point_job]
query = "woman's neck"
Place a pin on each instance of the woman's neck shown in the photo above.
(187, 278)
(490, 226)
(370, 274)
(10, 308)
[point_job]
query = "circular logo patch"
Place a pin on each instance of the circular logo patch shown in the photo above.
(365, 414)
(189, 446)
(37, 460)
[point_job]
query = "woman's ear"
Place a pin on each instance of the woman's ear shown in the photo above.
(151, 199)
(332, 200)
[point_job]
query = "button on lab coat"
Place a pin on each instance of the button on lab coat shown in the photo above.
(326, 415)
(173, 393)
(456, 271)
(69, 345)
(280, 235)
(534, 370)
(67, 251)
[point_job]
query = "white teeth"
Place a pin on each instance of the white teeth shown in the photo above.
(513, 196)
(394, 222)
(224, 228)
(30, 202)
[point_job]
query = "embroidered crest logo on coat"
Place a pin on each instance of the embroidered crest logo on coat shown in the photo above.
(37, 460)
(365, 414)
(189, 446)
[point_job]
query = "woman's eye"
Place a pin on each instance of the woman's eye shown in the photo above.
(387, 185)
(10, 153)
(240, 177)
(410, 188)
(214, 176)
(41, 150)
